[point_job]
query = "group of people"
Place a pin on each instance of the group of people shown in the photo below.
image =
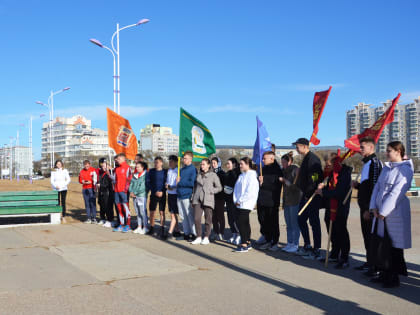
(209, 191)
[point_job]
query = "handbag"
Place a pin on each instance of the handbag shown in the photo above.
(379, 254)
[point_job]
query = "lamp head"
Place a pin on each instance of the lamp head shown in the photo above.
(96, 42)
(143, 21)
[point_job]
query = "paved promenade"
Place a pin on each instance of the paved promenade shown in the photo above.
(87, 269)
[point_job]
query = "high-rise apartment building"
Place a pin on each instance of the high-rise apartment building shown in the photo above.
(404, 128)
(158, 139)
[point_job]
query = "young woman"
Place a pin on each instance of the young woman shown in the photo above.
(219, 202)
(60, 179)
(391, 209)
(230, 180)
(291, 199)
(245, 195)
(138, 191)
(206, 186)
(105, 194)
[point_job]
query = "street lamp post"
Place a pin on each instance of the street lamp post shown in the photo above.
(50, 106)
(11, 158)
(116, 55)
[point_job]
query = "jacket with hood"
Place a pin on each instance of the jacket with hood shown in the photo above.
(123, 175)
(60, 179)
(389, 197)
(207, 185)
(291, 192)
(185, 186)
(310, 174)
(138, 184)
(245, 193)
(270, 190)
(89, 175)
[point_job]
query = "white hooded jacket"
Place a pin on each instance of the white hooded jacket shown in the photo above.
(245, 193)
(60, 178)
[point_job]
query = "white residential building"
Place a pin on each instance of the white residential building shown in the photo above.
(16, 160)
(158, 139)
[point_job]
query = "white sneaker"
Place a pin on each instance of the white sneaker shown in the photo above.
(232, 239)
(293, 249)
(237, 240)
(265, 246)
(145, 230)
(102, 222)
(107, 224)
(205, 241)
(88, 221)
(137, 231)
(261, 240)
(220, 237)
(286, 248)
(274, 248)
(197, 241)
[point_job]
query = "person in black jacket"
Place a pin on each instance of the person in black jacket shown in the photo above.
(219, 202)
(310, 175)
(371, 170)
(105, 194)
(269, 201)
(334, 193)
(231, 177)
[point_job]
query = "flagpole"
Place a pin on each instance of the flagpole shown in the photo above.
(350, 191)
(329, 240)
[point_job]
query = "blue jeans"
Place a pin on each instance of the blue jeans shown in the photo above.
(90, 203)
(291, 218)
(311, 212)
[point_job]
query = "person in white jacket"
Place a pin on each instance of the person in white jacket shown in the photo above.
(245, 195)
(60, 179)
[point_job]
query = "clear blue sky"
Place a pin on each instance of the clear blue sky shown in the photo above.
(223, 61)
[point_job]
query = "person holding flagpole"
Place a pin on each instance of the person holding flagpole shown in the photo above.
(310, 175)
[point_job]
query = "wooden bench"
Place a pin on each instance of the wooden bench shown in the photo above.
(414, 190)
(14, 204)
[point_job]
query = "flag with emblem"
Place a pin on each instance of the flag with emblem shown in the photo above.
(262, 143)
(320, 99)
(121, 137)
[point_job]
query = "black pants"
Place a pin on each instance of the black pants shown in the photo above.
(340, 238)
(269, 220)
(231, 214)
(366, 229)
(398, 265)
(311, 213)
(62, 200)
(106, 204)
(219, 216)
(243, 225)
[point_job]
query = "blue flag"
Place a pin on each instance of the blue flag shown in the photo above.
(262, 143)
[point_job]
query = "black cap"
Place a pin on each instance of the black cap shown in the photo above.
(301, 141)
(102, 160)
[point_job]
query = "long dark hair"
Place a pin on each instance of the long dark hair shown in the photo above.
(59, 161)
(249, 162)
(234, 162)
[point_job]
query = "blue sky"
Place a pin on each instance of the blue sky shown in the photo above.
(223, 61)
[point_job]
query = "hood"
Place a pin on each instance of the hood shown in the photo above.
(251, 173)
(408, 163)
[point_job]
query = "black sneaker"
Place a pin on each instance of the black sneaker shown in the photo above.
(151, 231)
(363, 267)
(186, 237)
(379, 278)
(176, 234)
(342, 265)
(371, 273)
(191, 237)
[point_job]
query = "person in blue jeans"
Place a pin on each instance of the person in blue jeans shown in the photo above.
(291, 198)
(88, 179)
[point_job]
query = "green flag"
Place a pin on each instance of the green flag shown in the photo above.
(195, 137)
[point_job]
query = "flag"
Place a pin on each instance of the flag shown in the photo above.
(195, 137)
(320, 99)
(375, 130)
(121, 137)
(262, 143)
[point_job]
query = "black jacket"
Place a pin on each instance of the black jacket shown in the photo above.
(230, 180)
(340, 192)
(365, 188)
(221, 174)
(106, 189)
(270, 190)
(310, 174)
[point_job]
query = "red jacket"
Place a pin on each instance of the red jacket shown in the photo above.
(89, 175)
(123, 175)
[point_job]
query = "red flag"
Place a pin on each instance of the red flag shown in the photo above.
(375, 130)
(120, 135)
(320, 99)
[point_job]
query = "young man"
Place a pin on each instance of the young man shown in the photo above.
(372, 167)
(333, 194)
(123, 175)
(269, 201)
(138, 158)
(310, 175)
(185, 185)
(157, 180)
(172, 196)
(88, 179)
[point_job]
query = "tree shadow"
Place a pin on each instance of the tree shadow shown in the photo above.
(324, 302)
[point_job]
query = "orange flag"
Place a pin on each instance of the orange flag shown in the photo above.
(120, 135)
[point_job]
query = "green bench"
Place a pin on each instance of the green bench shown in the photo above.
(30, 204)
(414, 190)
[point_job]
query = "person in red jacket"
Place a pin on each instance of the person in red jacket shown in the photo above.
(123, 175)
(88, 179)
